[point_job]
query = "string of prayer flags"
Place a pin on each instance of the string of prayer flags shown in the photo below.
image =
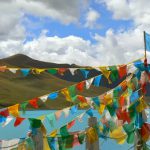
(97, 81)
(14, 110)
(53, 95)
(33, 102)
(18, 121)
(35, 123)
(25, 72)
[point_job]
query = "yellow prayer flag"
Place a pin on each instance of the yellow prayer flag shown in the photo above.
(66, 93)
(142, 105)
(118, 135)
(101, 108)
(108, 99)
(105, 72)
(82, 105)
(38, 71)
(92, 135)
(53, 133)
(41, 117)
(45, 144)
(14, 110)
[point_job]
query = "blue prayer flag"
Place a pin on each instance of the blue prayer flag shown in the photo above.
(90, 112)
(147, 41)
(25, 71)
(53, 95)
(134, 96)
(85, 72)
(96, 101)
(74, 109)
(97, 80)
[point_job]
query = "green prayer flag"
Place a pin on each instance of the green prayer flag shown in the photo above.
(51, 118)
(64, 131)
(23, 106)
(30, 144)
(72, 91)
(81, 138)
(111, 109)
(128, 127)
(35, 123)
(52, 71)
(130, 138)
(114, 73)
(112, 125)
(68, 140)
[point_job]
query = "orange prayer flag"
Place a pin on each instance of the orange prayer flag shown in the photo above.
(18, 121)
(33, 102)
(70, 124)
(3, 68)
(61, 71)
(14, 110)
(123, 85)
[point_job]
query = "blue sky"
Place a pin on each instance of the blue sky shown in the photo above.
(99, 32)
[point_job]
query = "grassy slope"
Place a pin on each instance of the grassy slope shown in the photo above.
(14, 88)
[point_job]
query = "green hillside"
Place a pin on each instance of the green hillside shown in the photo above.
(14, 88)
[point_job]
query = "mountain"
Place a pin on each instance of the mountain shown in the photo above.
(15, 88)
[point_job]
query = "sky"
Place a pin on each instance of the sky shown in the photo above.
(82, 32)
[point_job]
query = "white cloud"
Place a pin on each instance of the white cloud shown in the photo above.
(91, 19)
(113, 48)
(136, 10)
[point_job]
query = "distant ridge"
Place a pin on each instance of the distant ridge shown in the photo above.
(21, 60)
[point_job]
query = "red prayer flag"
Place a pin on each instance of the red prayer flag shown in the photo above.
(4, 113)
(61, 71)
(123, 115)
(33, 102)
(122, 101)
(122, 71)
(82, 99)
(18, 121)
(80, 86)
(70, 124)
(145, 131)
